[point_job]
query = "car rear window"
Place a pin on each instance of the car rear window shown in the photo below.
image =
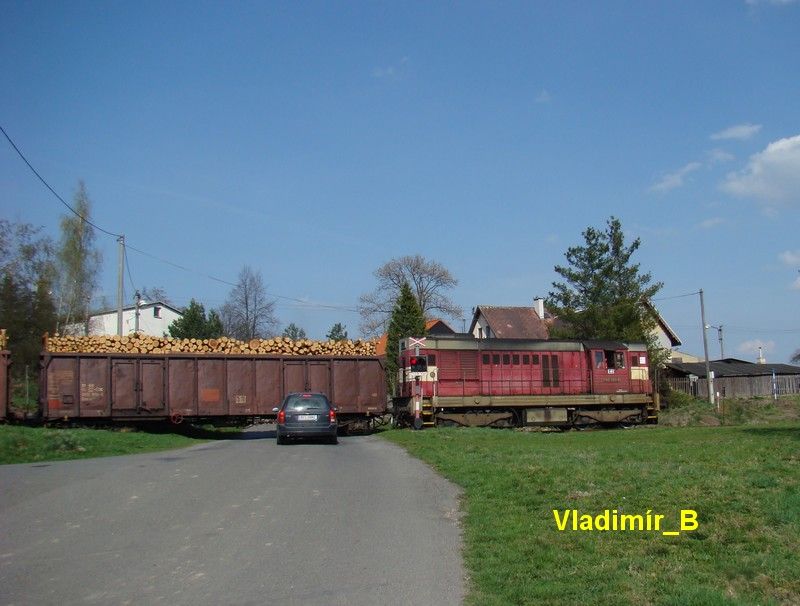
(307, 402)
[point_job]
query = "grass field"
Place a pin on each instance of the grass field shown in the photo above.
(743, 482)
(20, 444)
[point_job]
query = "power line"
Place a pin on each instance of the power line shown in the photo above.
(181, 267)
(142, 252)
(688, 294)
(47, 185)
(128, 267)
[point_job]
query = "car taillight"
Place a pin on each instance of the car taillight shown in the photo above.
(281, 416)
(332, 415)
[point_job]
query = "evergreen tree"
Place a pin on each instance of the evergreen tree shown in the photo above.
(195, 325)
(603, 291)
(294, 332)
(407, 320)
(27, 310)
(338, 332)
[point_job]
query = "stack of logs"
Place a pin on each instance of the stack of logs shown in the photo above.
(144, 344)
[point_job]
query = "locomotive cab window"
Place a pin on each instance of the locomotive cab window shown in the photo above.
(418, 364)
(609, 359)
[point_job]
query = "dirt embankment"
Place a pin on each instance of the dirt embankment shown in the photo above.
(684, 411)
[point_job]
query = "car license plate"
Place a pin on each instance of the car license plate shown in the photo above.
(306, 417)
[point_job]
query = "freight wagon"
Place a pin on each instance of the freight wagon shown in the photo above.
(207, 387)
(510, 383)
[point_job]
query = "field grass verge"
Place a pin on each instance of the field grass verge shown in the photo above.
(744, 483)
(21, 444)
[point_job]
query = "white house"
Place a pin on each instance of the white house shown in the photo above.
(154, 320)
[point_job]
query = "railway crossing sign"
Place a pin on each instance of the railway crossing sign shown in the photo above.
(414, 342)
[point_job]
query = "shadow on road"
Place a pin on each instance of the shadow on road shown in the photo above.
(255, 434)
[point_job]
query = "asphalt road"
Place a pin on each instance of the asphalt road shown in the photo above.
(232, 522)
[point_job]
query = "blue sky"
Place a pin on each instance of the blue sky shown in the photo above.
(315, 141)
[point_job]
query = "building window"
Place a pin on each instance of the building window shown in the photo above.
(515, 360)
(480, 332)
(486, 358)
(495, 358)
(156, 311)
(506, 359)
(526, 359)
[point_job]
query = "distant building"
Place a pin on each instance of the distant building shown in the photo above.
(734, 378)
(491, 321)
(154, 320)
(497, 322)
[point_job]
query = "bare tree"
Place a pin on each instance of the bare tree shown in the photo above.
(78, 261)
(154, 294)
(248, 313)
(428, 280)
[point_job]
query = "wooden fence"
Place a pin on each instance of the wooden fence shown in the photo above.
(739, 387)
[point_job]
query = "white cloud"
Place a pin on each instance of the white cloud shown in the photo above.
(390, 72)
(796, 284)
(790, 258)
(751, 347)
(739, 131)
(711, 223)
(771, 176)
(719, 156)
(544, 96)
(384, 72)
(674, 180)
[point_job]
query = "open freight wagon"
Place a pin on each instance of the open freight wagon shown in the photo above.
(216, 388)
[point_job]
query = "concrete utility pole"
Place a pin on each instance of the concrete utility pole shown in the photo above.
(719, 338)
(138, 302)
(709, 380)
(120, 271)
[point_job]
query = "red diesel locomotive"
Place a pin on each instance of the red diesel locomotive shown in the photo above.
(517, 382)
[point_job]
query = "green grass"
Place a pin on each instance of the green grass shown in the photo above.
(19, 444)
(744, 482)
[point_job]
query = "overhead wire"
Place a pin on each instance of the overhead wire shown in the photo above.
(126, 245)
(47, 185)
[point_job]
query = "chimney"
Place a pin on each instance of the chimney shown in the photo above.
(538, 306)
(761, 358)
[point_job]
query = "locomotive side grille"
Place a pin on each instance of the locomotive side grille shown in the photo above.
(469, 364)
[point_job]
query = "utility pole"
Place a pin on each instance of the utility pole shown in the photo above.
(120, 271)
(709, 380)
(719, 338)
(138, 302)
